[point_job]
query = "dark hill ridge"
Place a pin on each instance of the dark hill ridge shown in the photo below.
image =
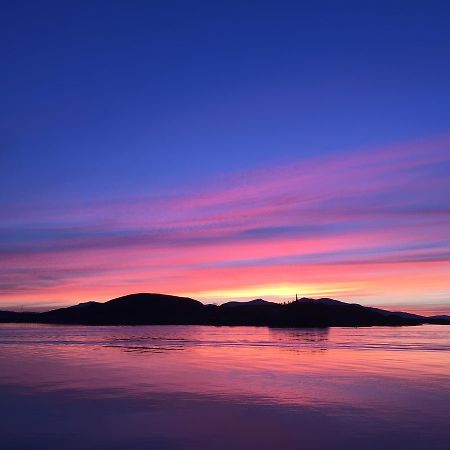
(160, 309)
(131, 309)
(258, 301)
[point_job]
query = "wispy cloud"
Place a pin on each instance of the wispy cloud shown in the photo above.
(372, 222)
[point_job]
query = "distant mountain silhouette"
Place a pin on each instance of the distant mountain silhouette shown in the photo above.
(442, 319)
(160, 309)
(258, 301)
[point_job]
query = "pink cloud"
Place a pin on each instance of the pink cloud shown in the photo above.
(343, 219)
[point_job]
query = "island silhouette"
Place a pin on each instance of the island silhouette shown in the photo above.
(161, 309)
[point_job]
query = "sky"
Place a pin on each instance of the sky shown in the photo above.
(225, 150)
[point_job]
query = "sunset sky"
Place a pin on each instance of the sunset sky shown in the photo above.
(233, 151)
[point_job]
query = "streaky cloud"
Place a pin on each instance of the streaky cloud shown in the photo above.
(359, 211)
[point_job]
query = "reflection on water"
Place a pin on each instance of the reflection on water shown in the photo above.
(182, 387)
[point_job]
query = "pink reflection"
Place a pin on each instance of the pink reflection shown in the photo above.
(301, 367)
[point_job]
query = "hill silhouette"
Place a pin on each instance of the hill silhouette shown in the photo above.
(160, 309)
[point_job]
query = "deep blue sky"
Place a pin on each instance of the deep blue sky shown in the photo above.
(119, 98)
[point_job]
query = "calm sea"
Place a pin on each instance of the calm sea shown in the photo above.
(196, 387)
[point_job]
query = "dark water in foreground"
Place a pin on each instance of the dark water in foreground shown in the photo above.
(194, 387)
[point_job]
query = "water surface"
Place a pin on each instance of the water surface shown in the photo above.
(196, 387)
